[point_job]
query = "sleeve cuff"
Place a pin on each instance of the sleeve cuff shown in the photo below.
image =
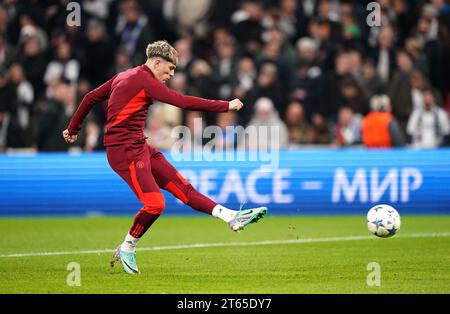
(71, 131)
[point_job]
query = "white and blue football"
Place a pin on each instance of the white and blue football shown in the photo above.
(383, 221)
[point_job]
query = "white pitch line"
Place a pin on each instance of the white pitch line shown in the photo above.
(232, 244)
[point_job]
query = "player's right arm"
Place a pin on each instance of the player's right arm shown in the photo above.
(159, 91)
(95, 96)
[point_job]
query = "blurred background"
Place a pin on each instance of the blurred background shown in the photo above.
(317, 64)
(315, 68)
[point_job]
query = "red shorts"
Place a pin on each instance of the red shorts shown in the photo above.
(146, 171)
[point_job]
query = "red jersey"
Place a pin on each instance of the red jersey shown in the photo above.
(129, 95)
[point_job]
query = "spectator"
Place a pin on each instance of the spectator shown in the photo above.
(221, 36)
(372, 81)
(307, 88)
(121, 63)
(98, 53)
(328, 10)
(418, 84)
(351, 33)
(7, 98)
(404, 17)
(20, 113)
(202, 85)
(271, 131)
(267, 85)
(298, 126)
(223, 67)
(5, 31)
(64, 67)
(443, 10)
(322, 34)
(292, 20)
(186, 57)
(384, 55)
(355, 63)
(332, 96)
(347, 130)
(244, 78)
(30, 29)
(286, 53)
(33, 61)
(54, 118)
(400, 88)
(307, 50)
(92, 137)
(247, 25)
(271, 53)
(6, 53)
(135, 33)
(354, 96)
(97, 8)
(307, 81)
(428, 125)
(3, 127)
(227, 138)
(379, 128)
(193, 140)
(415, 49)
(187, 16)
(427, 34)
(320, 133)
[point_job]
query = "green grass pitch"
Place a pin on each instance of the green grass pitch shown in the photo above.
(295, 254)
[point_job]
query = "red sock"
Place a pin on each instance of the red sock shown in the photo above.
(142, 221)
(200, 202)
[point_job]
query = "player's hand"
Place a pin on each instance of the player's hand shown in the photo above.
(69, 138)
(235, 104)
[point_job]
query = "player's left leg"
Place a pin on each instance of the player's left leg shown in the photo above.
(132, 164)
(168, 178)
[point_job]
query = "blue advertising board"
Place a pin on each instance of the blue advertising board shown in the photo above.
(344, 181)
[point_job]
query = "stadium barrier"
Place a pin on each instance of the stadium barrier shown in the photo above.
(341, 181)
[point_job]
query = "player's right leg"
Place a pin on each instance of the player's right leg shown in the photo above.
(168, 178)
(133, 165)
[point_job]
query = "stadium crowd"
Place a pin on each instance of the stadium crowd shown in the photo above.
(315, 68)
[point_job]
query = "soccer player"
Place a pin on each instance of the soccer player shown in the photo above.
(142, 167)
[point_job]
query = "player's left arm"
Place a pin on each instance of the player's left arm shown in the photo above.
(159, 91)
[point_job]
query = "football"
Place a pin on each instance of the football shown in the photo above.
(383, 221)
